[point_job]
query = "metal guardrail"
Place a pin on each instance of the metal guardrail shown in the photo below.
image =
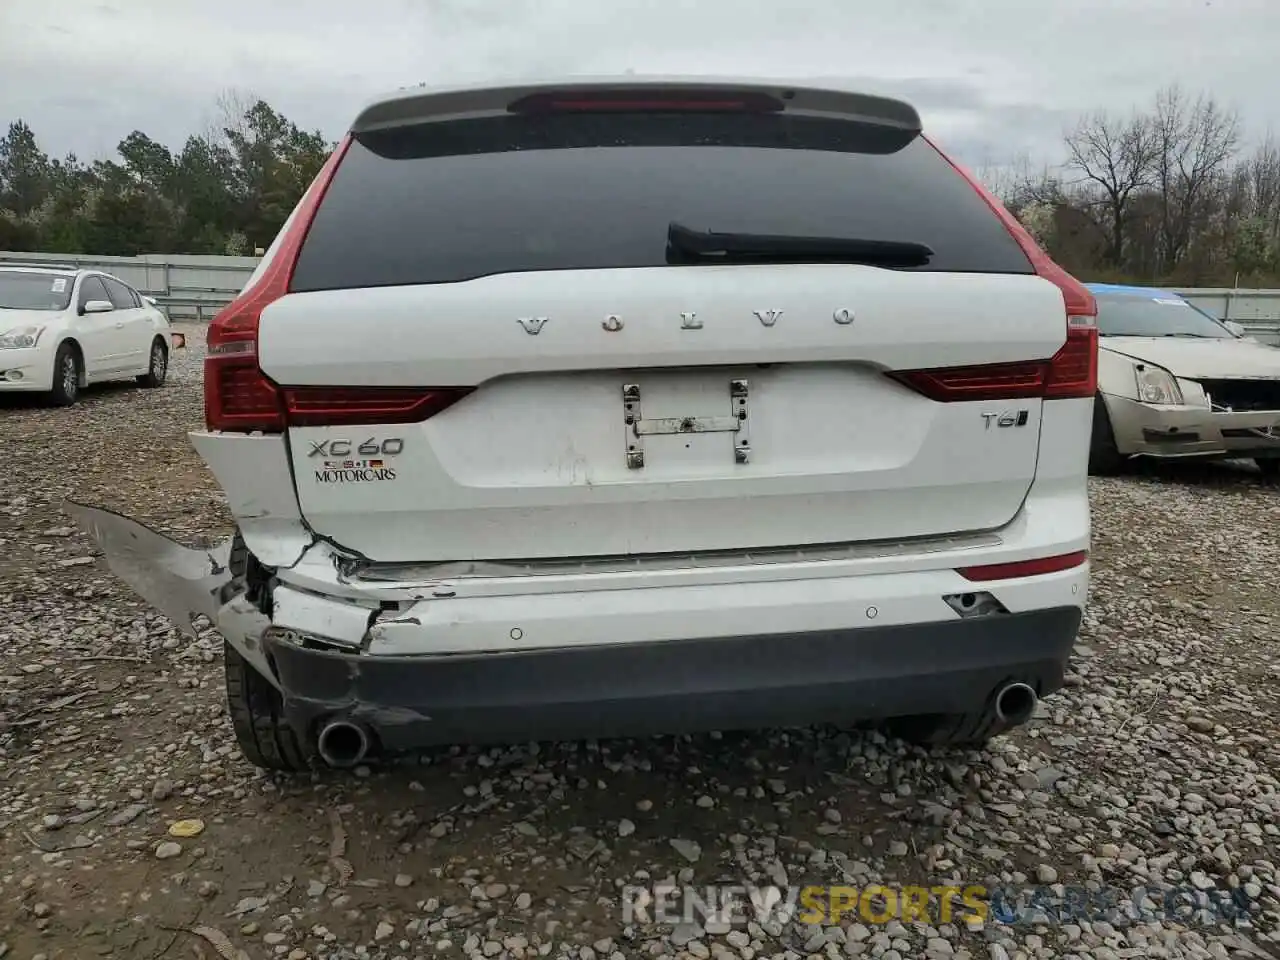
(1258, 311)
(186, 287)
(196, 287)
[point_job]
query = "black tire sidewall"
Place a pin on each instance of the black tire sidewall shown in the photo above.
(150, 378)
(60, 396)
(263, 734)
(1104, 456)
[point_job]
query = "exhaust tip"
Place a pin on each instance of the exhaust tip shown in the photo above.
(1015, 703)
(342, 744)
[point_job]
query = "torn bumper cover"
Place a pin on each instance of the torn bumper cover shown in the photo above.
(180, 582)
(419, 665)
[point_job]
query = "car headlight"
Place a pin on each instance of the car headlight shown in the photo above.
(20, 338)
(1156, 385)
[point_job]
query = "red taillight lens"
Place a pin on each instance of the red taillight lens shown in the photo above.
(996, 381)
(335, 406)
(237, 395)
(1071, 372)
(1024, 568)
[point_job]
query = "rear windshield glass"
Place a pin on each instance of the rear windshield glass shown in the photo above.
(29, 290)
(462, 199)
(1134, 316)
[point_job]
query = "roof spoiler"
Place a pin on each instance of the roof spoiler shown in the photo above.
(422, 104)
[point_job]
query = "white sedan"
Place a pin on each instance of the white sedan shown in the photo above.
(61, 330)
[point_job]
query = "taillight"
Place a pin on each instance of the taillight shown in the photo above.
(337, 406)
(994, 381)
(1072, 372)
(237, 394)
(1024, 568)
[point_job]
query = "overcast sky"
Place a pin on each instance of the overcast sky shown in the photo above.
(992, 78)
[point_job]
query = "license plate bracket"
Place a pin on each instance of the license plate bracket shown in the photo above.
(736, 420)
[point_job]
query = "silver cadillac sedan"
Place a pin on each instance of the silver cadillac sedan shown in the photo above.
(1173, 382)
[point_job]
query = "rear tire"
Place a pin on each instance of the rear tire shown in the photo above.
(1270, 469)
(265, 739)
(254, 704)
(158, 368)
(1105, 458)
(66, 376)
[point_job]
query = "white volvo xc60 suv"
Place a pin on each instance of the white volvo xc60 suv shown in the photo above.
(638, 405)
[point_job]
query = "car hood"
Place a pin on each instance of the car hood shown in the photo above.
(9, 319)
(1193, 358)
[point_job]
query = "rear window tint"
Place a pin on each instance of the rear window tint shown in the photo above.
(457, 200)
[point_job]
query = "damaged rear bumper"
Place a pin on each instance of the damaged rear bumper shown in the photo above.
(720, 683)
(181, 582)
(479, 653)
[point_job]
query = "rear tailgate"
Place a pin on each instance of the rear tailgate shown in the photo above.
(540, 461)
(558, 383)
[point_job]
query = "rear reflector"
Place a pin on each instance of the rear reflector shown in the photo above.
(647, 101)
(1024, 568)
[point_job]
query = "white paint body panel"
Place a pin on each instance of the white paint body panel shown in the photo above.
(533, 463)
(455, 613)
(727, 609)
(468, 333)
(253, 471)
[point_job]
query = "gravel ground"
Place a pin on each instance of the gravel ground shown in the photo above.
(1156, 768)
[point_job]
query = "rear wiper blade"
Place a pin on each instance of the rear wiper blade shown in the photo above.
(686, 243)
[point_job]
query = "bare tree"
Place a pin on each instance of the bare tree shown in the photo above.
(230, 116)
(1114, 159)
(995, 176)
(1196, 141)
(1262, 180)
